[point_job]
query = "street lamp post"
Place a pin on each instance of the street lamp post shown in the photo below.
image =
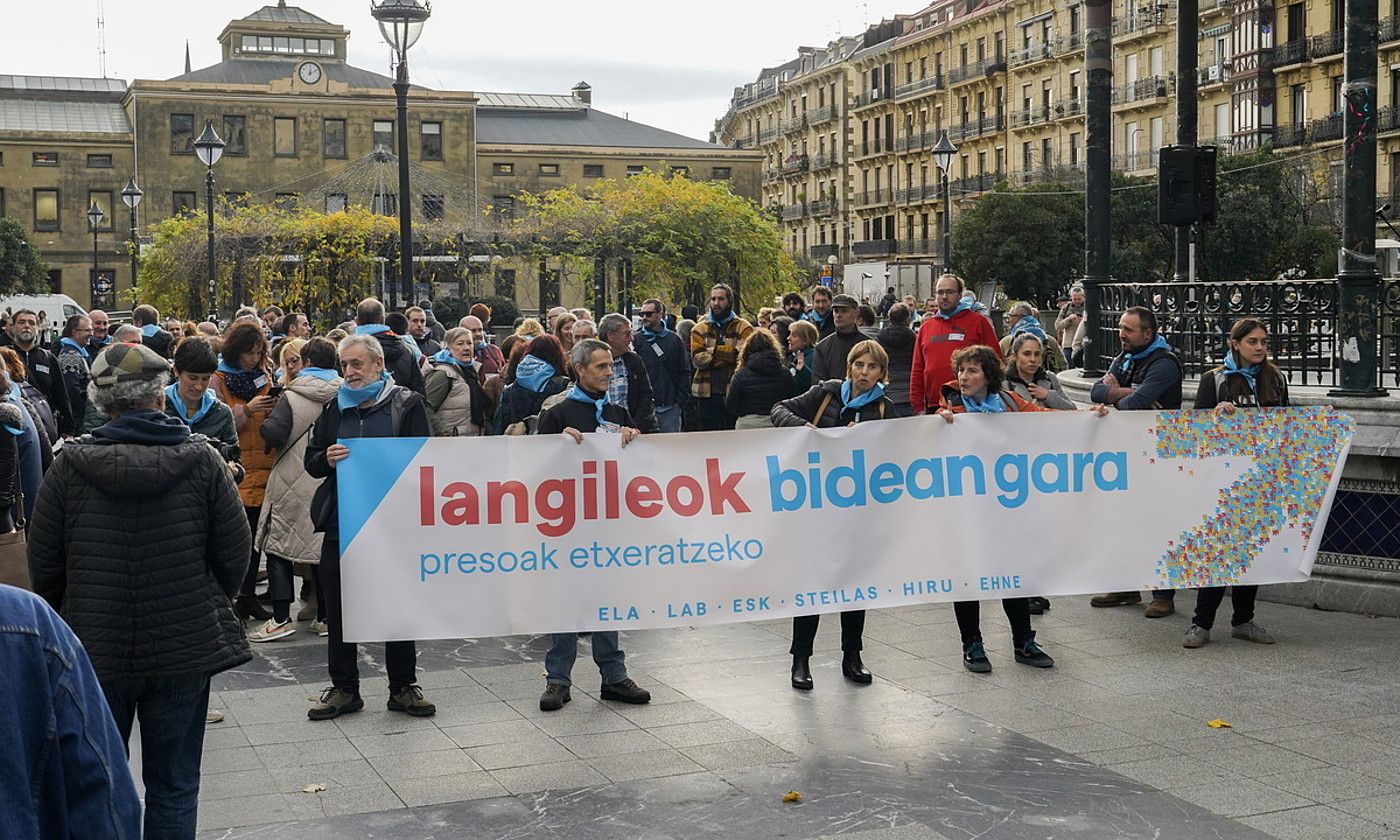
(401, 22)
(94, 215)
(131, 196)
(209, 147)
(943, 154)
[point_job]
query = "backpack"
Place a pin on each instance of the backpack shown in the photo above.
(31, 392)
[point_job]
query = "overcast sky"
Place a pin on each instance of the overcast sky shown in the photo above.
(669, 64)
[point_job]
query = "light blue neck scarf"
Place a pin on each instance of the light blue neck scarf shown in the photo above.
(991, 404)
(849, 403)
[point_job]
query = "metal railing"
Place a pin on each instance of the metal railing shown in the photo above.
(915, 142)
(1142, 90)
(1327, 128)
(875, 96)
(1030, 116)
(877, 196)
(772, 173)
(820, 253)
(1389, 29)
(1213, 74)
(1135, 161)
(976, 70)
(1388, 118)
(1327, 44)
(1292, 52)
(821, 207)
(917, 247)
(1069, 106)
(796, 123)
(974, 128)
(795, 165)
(793, 212)
(1144, 22)
(1290, 134)
(768, 135)
(905, 91)
(975, 183)
(1028, 55)
(1195, 318)
(820, 162)
(874, 248)
(817, 116)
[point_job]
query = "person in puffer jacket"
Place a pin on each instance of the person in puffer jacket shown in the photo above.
(139, 542)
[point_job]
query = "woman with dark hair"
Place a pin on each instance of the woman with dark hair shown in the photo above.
(760, 382)
(243, 382)
(1248, 380)
(859, 398)
(190, 399)
(538, 376)
(979, 389)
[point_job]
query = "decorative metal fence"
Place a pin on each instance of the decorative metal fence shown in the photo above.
(1301, 315)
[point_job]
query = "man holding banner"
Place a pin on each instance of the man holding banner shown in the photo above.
(586, 409)
(368, 405)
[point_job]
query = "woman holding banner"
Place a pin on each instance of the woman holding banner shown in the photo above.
(980, 389)
(1247, 380)
(859, 398)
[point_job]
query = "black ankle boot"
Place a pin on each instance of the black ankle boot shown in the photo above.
(801, 674)
(853, 669)
(247, 606)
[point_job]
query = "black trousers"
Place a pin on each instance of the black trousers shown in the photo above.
(712, 414)
(250, 578)
(804, 631)
(1208, 601)
(342, 657)
(280, 586)
(1018, 611)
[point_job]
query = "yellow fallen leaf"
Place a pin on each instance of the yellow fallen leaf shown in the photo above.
(1218, 724)
(792, 796)
(313, 788)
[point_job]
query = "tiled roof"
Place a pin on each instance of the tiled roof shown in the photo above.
(285, 14)
(578, 127)
(260, 71)
(40, 115)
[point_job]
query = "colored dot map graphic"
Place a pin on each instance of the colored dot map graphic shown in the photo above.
(1295, 452)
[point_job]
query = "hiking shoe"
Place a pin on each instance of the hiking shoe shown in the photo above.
(975, 658)
(334, 703)
(1195, 637)
(272, 631)
(409, 700)
(554, 697)
(1160, 608)
(626, 691)
(1252, 632)
(1030, 653)
(320, 628)
(1038, 605)
(1116, 599)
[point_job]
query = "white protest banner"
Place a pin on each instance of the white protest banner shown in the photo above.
(455, 538)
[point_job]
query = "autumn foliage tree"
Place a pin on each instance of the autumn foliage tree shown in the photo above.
(681, 236)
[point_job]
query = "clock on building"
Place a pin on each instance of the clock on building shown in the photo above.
(309, 72)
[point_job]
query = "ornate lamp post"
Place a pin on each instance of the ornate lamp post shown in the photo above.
(131, 196)
(210, 147)
(943, 154)
(95, 216)
(401, 22)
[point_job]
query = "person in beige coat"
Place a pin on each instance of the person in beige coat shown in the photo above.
(285, 534)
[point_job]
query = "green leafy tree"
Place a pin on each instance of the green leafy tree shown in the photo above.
(21, 270)
(1030, 240)
(681, 235)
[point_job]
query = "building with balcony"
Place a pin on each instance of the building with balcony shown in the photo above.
(297, 117)
(1005, 79)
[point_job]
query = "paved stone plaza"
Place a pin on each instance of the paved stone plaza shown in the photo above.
(1112, 743)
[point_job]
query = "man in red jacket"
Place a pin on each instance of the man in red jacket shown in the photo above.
(954, 326)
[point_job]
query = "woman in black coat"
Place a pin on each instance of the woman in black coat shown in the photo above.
(538, 376)
(761, 381)
(1247, 380)
(859, 398)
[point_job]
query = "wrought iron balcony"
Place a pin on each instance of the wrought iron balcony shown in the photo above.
(1388, 119)
(793, 212)
(796, 123)
(1031, 54)
(1327, 128)
(869, 197)
(1142, 91)
(817, 116)
(1292, 52)
(1069, 106)
(795, 164)
(915, 88)
(1031, 116)
(874, 96)
(821, 207)
(1290, 134)
(767, 136)
(1158, 18)
(1389, 29)
(1327, 44)
(1213, 74)
(821, 162)
(874, 248)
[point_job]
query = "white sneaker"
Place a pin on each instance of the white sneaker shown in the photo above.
(213, 716)
(320, 628)
(272, 631)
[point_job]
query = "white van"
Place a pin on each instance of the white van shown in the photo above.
(53, 311)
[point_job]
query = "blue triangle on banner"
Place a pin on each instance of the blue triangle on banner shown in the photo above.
(374, 466)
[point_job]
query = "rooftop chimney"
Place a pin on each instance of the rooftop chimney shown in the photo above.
(583, 93)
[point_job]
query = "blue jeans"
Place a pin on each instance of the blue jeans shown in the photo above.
(171, 710)
(668, 417)
(563, 650)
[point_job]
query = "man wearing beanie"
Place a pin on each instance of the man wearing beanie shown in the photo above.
(139, 541)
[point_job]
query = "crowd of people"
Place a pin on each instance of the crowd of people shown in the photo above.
(163, 469)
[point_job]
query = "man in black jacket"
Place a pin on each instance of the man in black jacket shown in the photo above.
(830, 361)
(399, 360)
(148, 320)
(587, 409)
(630, 385)
(665, 358)
(41, 369)
(139, 541)
(370, 406)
